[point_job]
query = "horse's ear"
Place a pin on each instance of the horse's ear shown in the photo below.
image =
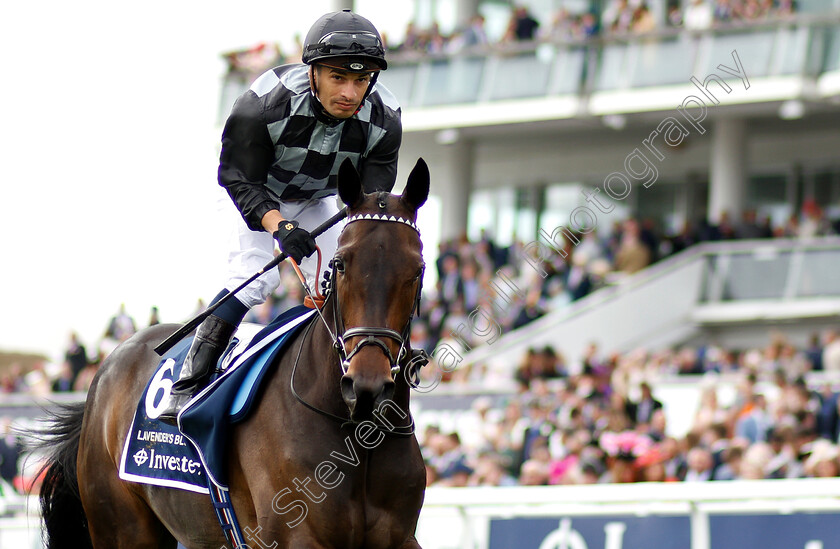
(349, 184)
(417, 187)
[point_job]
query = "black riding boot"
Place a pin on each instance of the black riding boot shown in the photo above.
(210, 342)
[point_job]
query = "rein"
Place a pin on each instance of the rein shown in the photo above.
(372, 335)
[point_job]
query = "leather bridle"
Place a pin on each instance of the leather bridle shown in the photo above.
(371, 335)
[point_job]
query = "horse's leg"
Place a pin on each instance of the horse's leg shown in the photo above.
(120, 519)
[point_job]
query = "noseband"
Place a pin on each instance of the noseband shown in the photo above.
(372, 335)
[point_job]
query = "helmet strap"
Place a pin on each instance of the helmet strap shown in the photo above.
(312, 85)
(369, 89)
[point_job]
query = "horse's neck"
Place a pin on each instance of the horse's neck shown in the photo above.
(318, 376)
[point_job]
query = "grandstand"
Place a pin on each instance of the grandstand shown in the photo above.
(528, 140)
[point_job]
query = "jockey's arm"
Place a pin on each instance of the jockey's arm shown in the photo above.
(247, 154)
(271, 220)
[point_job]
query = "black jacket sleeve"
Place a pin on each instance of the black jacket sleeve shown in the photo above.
(379, 169)
(247, 154)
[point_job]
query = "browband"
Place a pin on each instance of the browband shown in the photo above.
(382, 217)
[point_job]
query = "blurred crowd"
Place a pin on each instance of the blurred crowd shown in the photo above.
(619, 17)
(574, 420)
(600, 421)
(514, 284)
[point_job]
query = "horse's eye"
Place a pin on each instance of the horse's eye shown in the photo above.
(338, 265)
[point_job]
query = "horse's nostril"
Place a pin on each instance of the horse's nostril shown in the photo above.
(388, 390)
(348, 393)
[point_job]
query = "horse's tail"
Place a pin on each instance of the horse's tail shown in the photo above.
(65, 523)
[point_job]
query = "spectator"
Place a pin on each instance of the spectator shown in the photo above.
(490, 472)
(533, 473)
(75, 355)
(588, 26)
(618, 17)
(643, 21)
(474, 33)
(448, 458)
(530, 311)
(632, 255)
(755, 425)
(12, 379)
(36, 381)
(700, 465)
(724, 11)
(11, 449)
(828, 419)
(522, 26)
(698, 16)
(451, 285)
(411, 42)
(433, 41)
(786, 9)
(749, 226)
(578, 279)
(813, 222)
(675, 17)
(64, 382)
(562, 26)
(831, 352)
(641, 412)
(85, 377)
(730, 469)
(121, 326)
(822, 462)
(249, 63)
(154, 316)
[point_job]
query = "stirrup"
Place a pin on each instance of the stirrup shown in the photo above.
(173, 408)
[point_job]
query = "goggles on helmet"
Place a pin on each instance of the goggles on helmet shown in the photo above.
(349, 43)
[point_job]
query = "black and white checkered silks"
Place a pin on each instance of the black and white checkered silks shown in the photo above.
(307, 152)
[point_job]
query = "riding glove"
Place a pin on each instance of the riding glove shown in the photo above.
(295, 242)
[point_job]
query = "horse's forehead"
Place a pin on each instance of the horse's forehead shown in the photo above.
(381, 203)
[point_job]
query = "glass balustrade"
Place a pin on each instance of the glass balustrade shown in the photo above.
(803, 46)
(772, 270)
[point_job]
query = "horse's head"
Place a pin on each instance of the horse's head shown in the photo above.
(378, 271)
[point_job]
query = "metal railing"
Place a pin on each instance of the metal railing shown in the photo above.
(805, 45)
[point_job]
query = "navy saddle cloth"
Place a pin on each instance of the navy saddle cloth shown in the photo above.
(161, 454)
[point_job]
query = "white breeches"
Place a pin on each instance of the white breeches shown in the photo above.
(251, 250)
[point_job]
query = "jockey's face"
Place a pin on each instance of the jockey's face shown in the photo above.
(340, 91)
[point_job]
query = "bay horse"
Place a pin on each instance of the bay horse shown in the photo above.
(370, 499)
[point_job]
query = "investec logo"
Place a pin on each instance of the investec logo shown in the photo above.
(169, 463)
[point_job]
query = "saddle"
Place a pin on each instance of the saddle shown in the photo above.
(192, 458)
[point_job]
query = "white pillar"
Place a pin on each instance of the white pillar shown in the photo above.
(466, 9)
(338, 5)
(452, 180)
(727, 183)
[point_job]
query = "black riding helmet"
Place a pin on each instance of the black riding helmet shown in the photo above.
(347, 41)
(345, 35)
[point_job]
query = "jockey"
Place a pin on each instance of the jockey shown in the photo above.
(282, 146)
